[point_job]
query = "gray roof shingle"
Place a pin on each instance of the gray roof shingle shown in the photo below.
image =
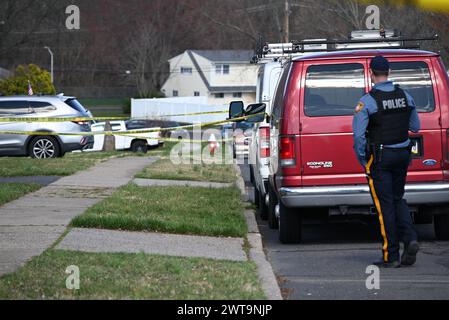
(226, 55)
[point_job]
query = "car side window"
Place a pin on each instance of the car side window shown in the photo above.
(415, 78)
(41, 107)
(333, 89)
(14, 108)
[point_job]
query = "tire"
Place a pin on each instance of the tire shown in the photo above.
(441, 224)
(44, 148)
(273, 222)
(290, 225)
(263, 209)
(139, 146)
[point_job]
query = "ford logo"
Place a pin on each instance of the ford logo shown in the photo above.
(430, 162)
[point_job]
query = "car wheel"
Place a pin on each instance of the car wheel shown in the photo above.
(139, 146)
(44, 148)
(441, 224)
(290, 225)
(272, 219)
(262, 210)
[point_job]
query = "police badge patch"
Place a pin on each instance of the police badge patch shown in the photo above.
(360, 107)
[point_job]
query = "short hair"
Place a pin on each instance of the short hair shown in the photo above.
(378, 73)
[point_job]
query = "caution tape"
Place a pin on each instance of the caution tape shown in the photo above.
(85, 119)
(127, 133)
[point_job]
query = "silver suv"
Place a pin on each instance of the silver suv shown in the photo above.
(43, 146)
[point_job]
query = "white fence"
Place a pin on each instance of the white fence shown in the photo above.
(167, 108)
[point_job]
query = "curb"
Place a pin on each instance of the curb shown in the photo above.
(265, 271)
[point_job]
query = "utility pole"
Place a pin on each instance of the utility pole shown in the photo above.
(51, 64)
(287, 22)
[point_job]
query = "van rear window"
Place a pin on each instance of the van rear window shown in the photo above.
(415, 78)
(333, 89)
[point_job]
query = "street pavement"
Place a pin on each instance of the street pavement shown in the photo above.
(332, 261)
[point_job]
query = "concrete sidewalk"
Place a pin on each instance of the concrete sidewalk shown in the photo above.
(97, 241)
(29, 225)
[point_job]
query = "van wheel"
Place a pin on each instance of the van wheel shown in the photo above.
(441, 224)
(272, 219)
(44, 148)
(290, 225)
(262, 209)
(139, 146)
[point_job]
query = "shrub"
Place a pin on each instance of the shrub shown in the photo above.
(18, 83)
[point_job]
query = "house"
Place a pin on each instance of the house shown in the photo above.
(220, 75)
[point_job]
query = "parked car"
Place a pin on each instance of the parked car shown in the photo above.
(242, 133)
(139, 142)
(313, 168)
(43, 146)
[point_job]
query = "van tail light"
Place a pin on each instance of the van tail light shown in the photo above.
(264, 142)
(287, 151)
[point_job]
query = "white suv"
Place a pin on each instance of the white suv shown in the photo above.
(43, 146)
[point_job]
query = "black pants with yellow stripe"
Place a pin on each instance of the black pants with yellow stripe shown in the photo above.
(387, 178)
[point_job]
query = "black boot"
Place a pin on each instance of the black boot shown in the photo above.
(387, 265)
(410, 251)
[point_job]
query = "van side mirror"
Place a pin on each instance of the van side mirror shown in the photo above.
(257, 111)
(236, 110)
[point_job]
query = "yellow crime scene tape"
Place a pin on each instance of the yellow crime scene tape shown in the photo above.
(65, 119)
(130, 133)
(429, 5)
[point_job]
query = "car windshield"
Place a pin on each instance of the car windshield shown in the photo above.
(75, 104)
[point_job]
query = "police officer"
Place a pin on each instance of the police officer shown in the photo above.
(382, 121)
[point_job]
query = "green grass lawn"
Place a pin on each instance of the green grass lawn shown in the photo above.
(132, 276)
(68, 165)
(13, 191)
(180, 210)
(165, 169)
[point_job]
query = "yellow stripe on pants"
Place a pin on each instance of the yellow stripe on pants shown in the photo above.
(378, 207)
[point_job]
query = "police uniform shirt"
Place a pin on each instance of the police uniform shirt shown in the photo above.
(367, 107)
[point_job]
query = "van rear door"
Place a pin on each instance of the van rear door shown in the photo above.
(416, 75)
(331, 91)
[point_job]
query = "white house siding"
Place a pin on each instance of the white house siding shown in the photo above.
(185, 84)
(241, 76)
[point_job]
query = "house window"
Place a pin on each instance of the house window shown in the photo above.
(186, 70)
(237, 94)
(196, 94)
(222, 69)
(219, 95)
(175, 93)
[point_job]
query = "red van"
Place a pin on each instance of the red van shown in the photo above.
(313, 168)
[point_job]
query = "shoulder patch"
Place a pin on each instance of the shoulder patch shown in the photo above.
(359, 107)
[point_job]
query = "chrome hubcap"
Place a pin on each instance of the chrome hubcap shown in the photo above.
(44, 149)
